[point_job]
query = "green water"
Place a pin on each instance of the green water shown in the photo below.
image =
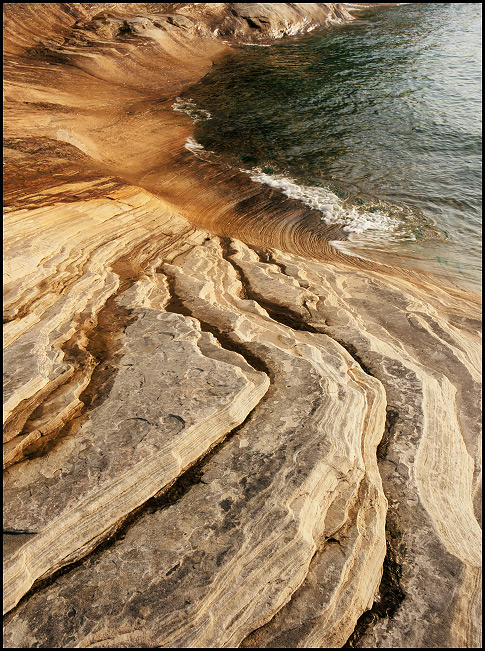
(376, 123)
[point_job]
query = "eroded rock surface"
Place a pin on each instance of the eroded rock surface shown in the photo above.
(219, 432)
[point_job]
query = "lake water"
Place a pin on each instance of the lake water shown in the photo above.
(376, 123)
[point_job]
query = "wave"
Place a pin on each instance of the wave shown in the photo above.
(257, 44)
(374, 223)
(190, 108)
(192, 145)
(353, 220)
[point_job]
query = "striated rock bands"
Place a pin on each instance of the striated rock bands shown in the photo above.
(271, 498)
(218, 431)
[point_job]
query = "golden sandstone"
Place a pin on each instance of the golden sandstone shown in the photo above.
(219, 431)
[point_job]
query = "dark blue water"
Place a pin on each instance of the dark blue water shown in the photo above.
(375, 123)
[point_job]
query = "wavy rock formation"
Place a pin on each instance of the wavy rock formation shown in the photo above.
(218, 430)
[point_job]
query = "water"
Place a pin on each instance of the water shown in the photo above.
(375, 123)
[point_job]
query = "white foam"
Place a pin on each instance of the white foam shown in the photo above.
(335, 21)
(353, 219)
(190, 108)
(199, 150)
(192, 145)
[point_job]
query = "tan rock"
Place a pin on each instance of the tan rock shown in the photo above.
(289, 479)
(219, 431)
(169, 405)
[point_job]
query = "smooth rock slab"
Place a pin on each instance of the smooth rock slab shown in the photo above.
(169, 404)
(220, 562)
(226, 557)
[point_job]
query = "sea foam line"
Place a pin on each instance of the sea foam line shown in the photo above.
(190, 108)
(192, 145)
(352, 220)
(332, 211)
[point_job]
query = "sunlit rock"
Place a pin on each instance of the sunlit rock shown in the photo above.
(218, 430)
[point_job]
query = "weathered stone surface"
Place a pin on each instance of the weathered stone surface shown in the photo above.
(55, 285)
(284, 484)
(339, 518)
(168, 406)
(222, 430)
(406, 335)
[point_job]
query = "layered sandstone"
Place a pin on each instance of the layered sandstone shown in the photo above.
(219, 432)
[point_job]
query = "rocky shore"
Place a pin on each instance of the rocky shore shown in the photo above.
(218, 430)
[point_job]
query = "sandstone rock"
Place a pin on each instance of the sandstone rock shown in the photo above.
(169, 405)
(287, 481)
(219, 431)
(346, 500)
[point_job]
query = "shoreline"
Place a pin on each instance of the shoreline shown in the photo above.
(219, 431)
